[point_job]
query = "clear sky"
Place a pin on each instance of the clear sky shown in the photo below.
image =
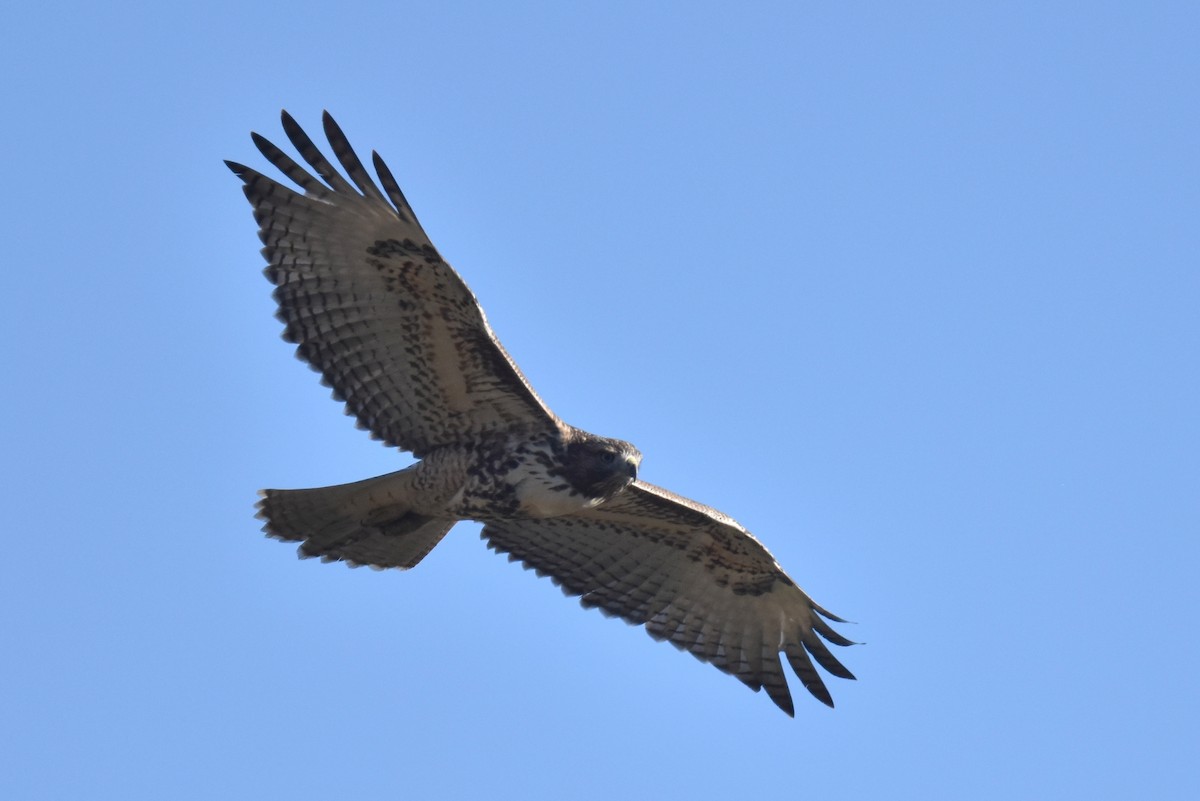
(912, 290)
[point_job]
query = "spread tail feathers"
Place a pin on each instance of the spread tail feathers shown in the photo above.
(364, 523)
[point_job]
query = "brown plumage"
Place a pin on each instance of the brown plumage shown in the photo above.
(372, 306)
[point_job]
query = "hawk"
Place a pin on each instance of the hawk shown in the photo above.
(394, 330)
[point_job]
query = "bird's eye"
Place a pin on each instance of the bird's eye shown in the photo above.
(609, 457)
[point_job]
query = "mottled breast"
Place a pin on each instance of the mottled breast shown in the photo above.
(546, 476)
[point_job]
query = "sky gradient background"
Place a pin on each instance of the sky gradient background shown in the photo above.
(910, 290)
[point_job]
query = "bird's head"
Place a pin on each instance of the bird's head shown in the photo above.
(599, 467)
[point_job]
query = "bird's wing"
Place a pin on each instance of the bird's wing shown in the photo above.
(692, 576)
(371, 305)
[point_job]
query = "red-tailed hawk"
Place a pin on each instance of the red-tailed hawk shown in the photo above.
(394, 330)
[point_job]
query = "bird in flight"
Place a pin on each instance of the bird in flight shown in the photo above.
(394, 330)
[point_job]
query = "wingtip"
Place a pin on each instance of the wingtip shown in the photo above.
(825, 613)
(290, 126)
(333, 131)
(380, 166)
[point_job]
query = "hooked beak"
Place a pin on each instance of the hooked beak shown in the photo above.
(631, 468)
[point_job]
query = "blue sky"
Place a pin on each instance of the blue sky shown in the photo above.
(910, 290)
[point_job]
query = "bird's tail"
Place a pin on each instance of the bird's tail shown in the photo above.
(364, 523)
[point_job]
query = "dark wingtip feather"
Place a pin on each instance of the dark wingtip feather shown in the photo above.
(825, 659)
(819, 691)
(312, 154)
(825, 613)
(824, 629)
(261, 142)
(798, 658)
(392, 188)
(292, 128)
(349, 159)
(782, 699)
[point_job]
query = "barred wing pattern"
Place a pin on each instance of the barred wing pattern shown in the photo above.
(371, 305)
(692, 576)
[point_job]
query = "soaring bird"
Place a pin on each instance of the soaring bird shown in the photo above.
(394, 330)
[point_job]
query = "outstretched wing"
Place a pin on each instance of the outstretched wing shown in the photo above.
(692, 576)
(371, 305)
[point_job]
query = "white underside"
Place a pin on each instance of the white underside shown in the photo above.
(537, 499)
